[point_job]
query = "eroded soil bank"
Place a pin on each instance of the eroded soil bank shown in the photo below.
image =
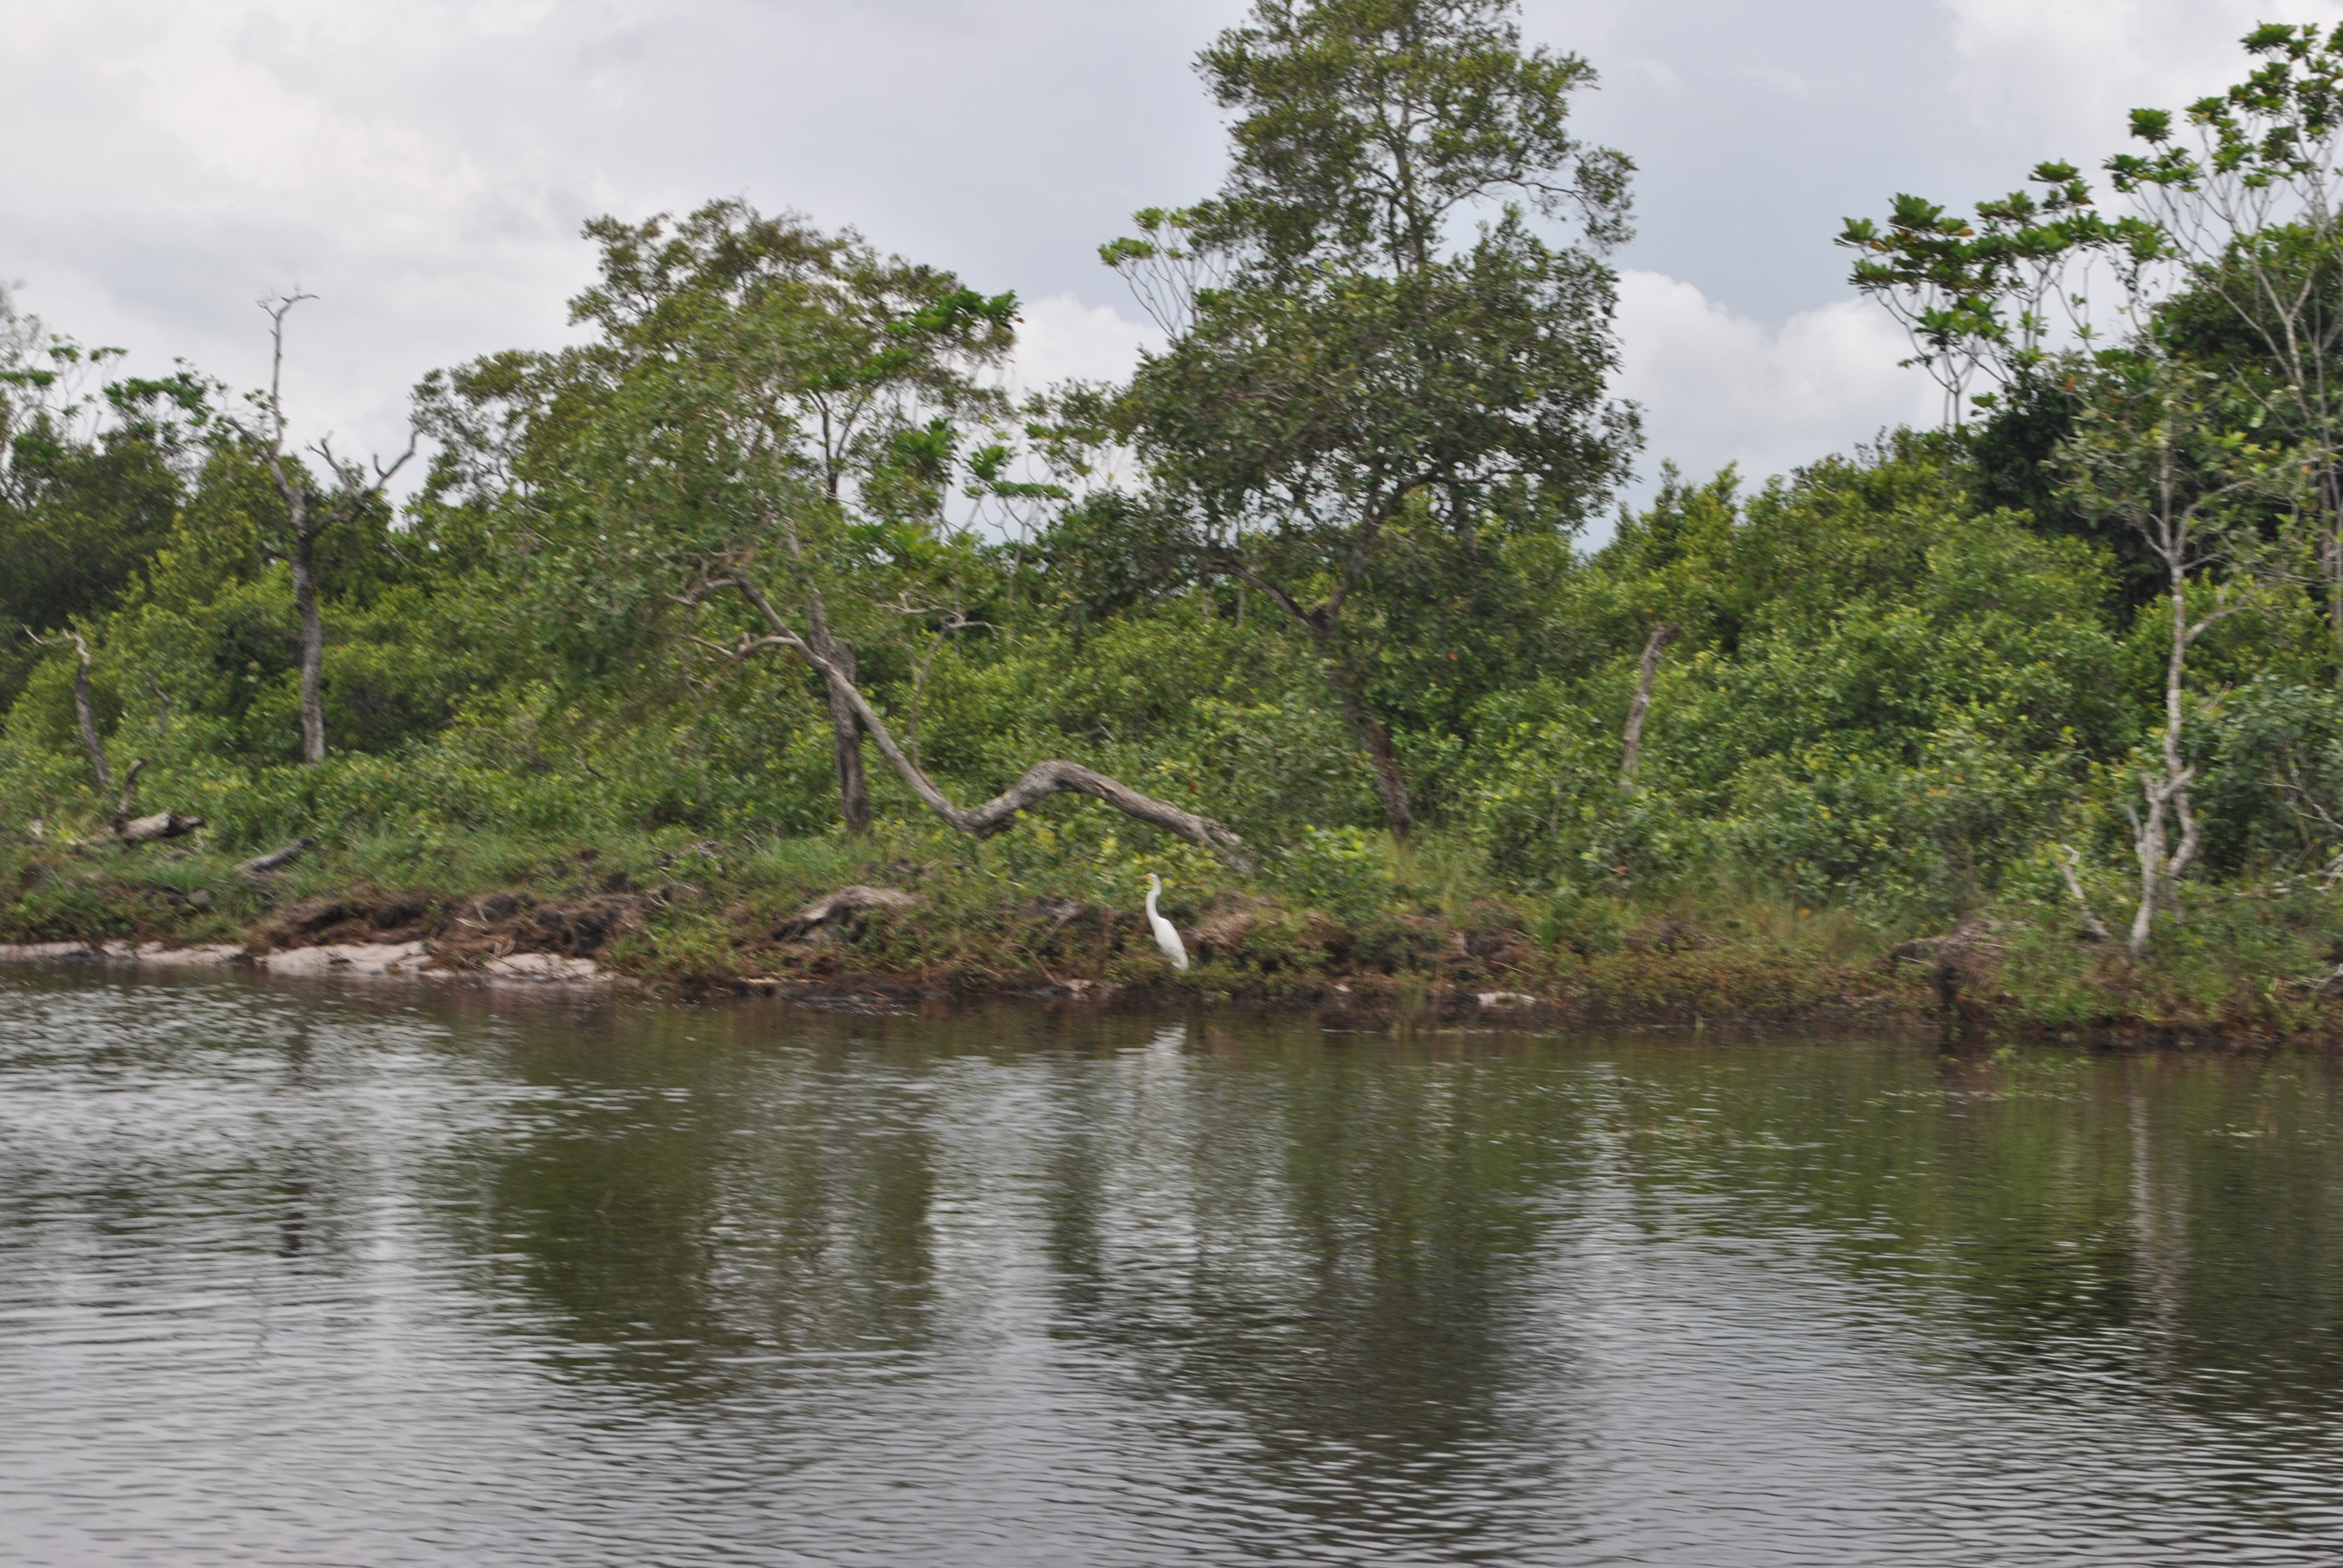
(925, 938)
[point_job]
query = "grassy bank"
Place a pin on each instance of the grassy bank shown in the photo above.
(1363, 923)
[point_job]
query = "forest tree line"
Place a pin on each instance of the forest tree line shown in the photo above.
(770, 554)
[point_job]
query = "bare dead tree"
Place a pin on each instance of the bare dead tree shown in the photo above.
(1631, 748)
(997, 814)
(309, 513)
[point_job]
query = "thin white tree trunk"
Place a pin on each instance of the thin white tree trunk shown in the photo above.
(2159, 871)
(1631, 746)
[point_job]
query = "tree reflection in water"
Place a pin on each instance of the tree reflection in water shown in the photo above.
(994, 1286)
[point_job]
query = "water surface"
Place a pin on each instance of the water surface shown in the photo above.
(392, 1276)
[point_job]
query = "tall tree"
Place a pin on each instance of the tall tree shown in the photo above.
(755, 456)
(1342, 369)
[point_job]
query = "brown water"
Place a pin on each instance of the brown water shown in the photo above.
(294, 1276)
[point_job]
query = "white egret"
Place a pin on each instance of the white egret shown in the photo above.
(1167, 935)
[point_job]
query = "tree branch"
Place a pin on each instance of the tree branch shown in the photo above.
(129, 793)
(2070, 865)
(1041, 780)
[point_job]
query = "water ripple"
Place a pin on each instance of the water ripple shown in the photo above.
(301, 1276)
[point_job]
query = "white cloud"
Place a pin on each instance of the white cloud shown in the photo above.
(210, 153)
(1062, 339)
(1717, 388)
(423, 167)
(2071, 71)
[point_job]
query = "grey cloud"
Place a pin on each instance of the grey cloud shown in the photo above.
(424, 167)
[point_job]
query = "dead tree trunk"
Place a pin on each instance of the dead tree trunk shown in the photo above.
(86, 714)
(2070, 867)
(129, 794)
(1041, 781)
(2167, 523)
(1630, 747)
(313, 633)
(165, 825)
(162, 825)
(306, 518)
(276, 860)
(2159, 869)
(131, 830)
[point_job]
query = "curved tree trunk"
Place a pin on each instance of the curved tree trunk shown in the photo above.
(1374, 739)
(1348, 683)
(309, 513)
(845, 728)
(1041, 781)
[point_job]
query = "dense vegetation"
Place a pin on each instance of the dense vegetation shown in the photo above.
(1311, 589)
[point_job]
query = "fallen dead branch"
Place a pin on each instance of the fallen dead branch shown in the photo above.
(825, 915)
(162, 825)
(276, 860)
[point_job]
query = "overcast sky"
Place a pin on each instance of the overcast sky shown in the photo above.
(423, 168)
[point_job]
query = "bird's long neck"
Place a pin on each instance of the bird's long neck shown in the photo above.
(1152, 893)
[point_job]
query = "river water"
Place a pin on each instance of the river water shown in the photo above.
(367, 1276)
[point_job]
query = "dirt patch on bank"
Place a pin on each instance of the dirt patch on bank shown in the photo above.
(461, 934)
